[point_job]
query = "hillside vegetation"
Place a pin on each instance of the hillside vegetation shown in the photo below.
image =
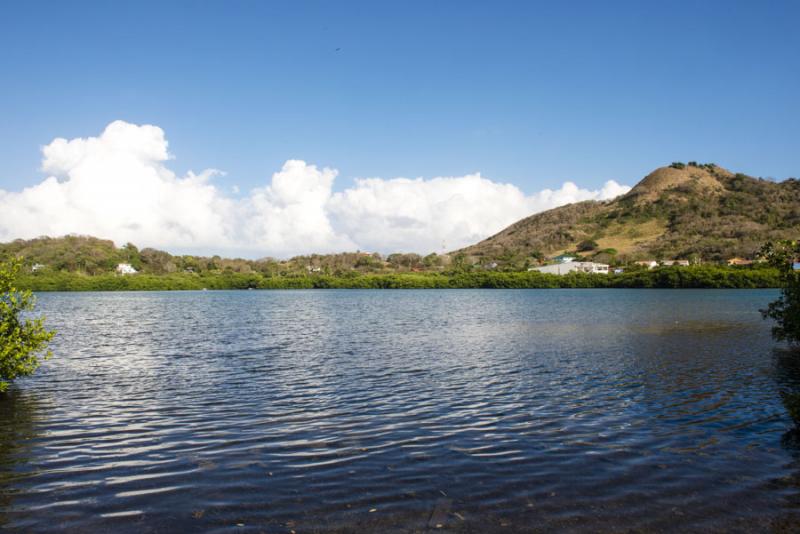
(684, 211)
(79, 263)
(92, 256)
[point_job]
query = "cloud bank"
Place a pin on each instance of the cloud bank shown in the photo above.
(118, 186)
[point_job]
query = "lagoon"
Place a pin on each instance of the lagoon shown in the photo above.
(461, 410)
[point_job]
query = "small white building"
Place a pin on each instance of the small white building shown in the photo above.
(36, 267)
(675, 263)
(126, 268)
(650, 264)
(573, 266)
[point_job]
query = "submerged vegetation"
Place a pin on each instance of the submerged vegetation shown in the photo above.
(22, 340)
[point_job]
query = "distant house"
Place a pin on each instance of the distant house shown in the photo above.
(650, 264)
(739, 261)
(36, 267)
(313, 269)
(126, 268)
(573, 266)
(619, 270)
(677, 263)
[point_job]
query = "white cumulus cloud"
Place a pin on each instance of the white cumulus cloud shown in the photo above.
(442, 213)
(118, 186)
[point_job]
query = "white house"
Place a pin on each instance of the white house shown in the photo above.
(650, 264)
(126, 268)
(573, 266)
(677, 263)
(36, 267)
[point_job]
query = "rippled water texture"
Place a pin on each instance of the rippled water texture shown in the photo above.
(584, 410)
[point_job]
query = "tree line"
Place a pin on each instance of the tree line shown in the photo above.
(700, 276)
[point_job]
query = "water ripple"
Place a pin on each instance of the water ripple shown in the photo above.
(469, 411)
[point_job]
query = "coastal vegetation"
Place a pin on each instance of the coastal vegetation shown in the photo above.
(784, 256)
(82, 263)
(22, 340)
(701, 276)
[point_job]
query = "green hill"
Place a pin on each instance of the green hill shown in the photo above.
(691, 211)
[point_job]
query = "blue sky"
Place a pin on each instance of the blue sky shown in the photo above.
(530, 93)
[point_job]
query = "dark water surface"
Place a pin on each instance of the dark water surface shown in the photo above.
(576, 410)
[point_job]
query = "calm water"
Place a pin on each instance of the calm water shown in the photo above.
(584, 410)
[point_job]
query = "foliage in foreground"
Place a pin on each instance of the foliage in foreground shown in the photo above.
(665, 277)
(786, 310)
(21, 340)
(791, 401)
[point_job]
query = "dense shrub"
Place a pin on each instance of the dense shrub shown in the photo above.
(21, 340)
(785, 311)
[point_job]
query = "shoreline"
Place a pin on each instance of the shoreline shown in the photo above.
(699, 277)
